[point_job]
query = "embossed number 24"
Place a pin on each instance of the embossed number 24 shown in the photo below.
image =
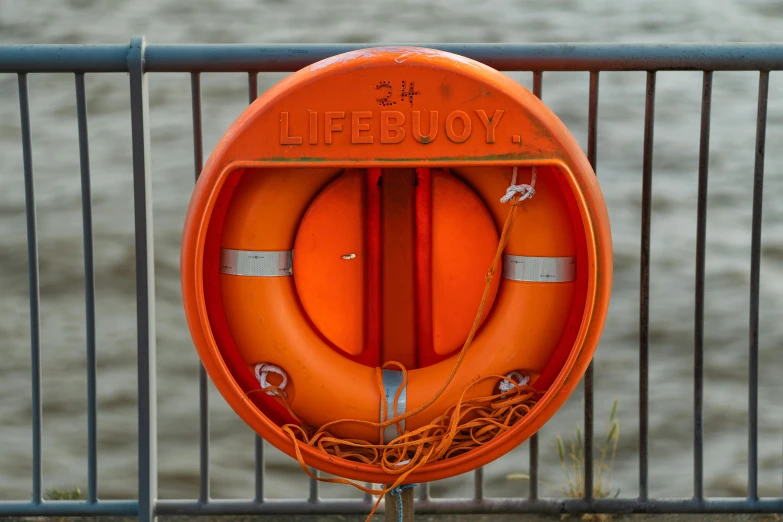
(387, 100)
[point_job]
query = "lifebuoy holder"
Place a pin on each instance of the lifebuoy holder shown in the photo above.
(310, 152)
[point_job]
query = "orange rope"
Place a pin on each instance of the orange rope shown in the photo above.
(466, 425)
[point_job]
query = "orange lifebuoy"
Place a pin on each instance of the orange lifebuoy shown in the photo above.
(522, 330)
(327, 259)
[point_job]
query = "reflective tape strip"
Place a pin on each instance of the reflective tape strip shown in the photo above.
(258, 264)
(539, 269)
(392, 380)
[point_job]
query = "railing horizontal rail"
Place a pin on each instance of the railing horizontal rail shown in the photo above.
(119, 508)
(496, 505)
(292, 57)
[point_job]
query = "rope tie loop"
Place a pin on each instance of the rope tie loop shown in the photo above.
(512, 380)
(397, 493)
(262, 371)
(525, 191)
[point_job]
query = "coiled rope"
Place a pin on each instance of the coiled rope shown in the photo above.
(469, 423)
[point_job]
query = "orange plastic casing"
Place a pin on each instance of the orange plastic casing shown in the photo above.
(401, 108)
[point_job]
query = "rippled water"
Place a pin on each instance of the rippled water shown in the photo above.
(621, 116)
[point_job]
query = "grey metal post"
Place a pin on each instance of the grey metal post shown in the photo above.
(145, 281)
(592, 146)
(35, 287)
(701, 255)
(392, 513)
(644, 284)
(89, 293)
(755, 282)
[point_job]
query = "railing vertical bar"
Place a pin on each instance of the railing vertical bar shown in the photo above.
(203, 390)
(478, 484)
(755, 272)
(592, 120)
(259, 469)
(252, 94)
(35, 290)
(588, 437)
(538, 86)
(203, 404)
(644, 284)
(538, 80)
(252, 86)
(198, 150)
(592, 140)
(698, 337)
(145, 281)
(533, 459)
(424, 492)
(314, 487)
(89, 292)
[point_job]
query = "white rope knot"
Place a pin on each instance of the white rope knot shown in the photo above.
(263, 370)
(512, 381)
(524, 190)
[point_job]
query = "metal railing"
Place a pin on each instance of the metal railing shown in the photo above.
(138, 59)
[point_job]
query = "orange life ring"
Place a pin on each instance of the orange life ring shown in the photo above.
(267, 317)
(282, 256)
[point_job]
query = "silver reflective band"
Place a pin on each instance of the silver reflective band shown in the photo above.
(392, 380)
(253, 263)
(539, 269)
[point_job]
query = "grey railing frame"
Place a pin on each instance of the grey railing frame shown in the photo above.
(138, 59)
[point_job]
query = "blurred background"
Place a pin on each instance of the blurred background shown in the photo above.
(620, 132)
